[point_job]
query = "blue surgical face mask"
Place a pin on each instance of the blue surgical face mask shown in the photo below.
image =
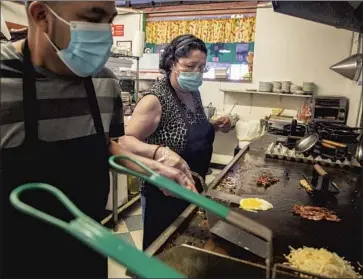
(190, 81)
(89, 47)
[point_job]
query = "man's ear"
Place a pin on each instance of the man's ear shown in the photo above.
(38, 15)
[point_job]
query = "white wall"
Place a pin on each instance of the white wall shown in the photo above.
(288, 48)
(14, 12)
(131, 22)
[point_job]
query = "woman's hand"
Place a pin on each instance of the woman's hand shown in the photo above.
(170, 158)
(222, 124)
(174, 174)
(169, 172)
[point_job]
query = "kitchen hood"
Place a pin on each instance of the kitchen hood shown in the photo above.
(340, 14)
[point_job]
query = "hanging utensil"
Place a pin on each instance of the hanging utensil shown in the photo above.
(94, 235)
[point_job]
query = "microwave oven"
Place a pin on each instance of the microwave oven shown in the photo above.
(330, 109)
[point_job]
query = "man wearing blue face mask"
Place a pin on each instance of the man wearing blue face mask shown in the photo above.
(60, 109)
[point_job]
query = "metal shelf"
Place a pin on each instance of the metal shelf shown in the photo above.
(120, 77)
(136, 78)
(267, 93)
(117, 55)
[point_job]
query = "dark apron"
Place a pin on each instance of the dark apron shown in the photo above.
(160, 210)
(79, 168)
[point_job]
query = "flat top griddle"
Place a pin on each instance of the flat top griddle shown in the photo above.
(344, 238)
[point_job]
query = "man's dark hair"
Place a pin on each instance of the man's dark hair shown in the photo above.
(178, 48)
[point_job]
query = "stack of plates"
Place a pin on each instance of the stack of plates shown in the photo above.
(276, 86)
(265, 86)
(220, 73)
(308, 87)
(295, 88)
(285, 86)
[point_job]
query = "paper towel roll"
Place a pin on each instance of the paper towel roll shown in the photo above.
(138, 44)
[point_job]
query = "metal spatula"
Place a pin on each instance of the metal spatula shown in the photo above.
(228, 215)
(224, 196)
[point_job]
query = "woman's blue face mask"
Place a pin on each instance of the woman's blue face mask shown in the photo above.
(190, 81)
(89, 47)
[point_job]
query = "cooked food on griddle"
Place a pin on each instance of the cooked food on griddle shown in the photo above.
(306, 186)
(266, 180)
(321, 262)
(254, 204)
(315, 213)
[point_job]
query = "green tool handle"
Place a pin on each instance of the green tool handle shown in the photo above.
(94, 235)
(232, 217)
(25, 208)
(171, 186)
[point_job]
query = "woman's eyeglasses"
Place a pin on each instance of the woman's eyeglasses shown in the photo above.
(200, 69)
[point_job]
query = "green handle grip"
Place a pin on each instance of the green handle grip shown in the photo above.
(94, 235)
(25, 208)
(232, 217)
(170, 186)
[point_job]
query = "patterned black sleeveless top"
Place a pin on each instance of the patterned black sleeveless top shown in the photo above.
(172, 131)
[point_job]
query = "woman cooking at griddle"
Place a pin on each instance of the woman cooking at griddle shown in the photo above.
(171, 122)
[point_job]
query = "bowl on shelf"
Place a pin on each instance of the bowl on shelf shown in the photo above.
(308, 87)
(265, 86)
(294, 88)
(276, 85)
(285, 86)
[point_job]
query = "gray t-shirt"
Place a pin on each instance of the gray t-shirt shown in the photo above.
(64, 112)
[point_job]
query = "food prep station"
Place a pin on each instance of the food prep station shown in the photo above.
(236, 253)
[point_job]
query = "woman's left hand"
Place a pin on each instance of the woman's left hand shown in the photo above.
(222, 124)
